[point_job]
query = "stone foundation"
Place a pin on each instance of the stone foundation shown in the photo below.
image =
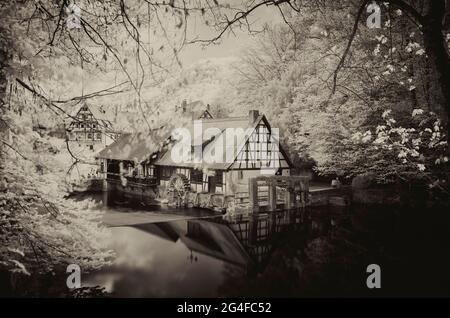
(213, 201)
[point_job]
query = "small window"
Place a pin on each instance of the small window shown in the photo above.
(91, 147)
(98, 136)
(89, 136)
(219, 177)
(167, 172)
(150, 170)
(196, 176)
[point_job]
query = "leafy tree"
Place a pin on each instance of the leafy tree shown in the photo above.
(323, 97)
(41, 229)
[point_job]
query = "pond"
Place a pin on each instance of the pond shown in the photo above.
(310, 252)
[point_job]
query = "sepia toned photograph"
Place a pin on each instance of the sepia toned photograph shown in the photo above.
(244, 150)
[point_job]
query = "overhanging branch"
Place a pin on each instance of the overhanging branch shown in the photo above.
(349, 43)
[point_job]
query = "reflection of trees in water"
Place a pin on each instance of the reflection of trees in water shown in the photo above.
(299, 254)
(44, 285)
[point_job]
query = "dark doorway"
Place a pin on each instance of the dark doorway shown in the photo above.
(211, 184)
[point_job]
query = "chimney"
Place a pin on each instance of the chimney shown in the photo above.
(252, 116)
(208, 107)
(184, 105)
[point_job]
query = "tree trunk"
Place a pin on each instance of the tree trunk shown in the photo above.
(436, 49)
(4, 59)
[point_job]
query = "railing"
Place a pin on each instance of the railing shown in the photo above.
(145, 181)
(149, 180)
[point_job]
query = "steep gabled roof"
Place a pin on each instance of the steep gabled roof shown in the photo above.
(196, 109)
(244, 143)
(99, 112)
(135, 146)
(205, 115)
(221, 125)
(141, 146)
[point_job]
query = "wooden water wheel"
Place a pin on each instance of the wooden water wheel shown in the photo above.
(179, 187)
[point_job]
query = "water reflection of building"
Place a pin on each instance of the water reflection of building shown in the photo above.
(258, 234)
(201, 236)
(246, 243)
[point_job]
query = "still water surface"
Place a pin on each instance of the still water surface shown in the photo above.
(313, 252)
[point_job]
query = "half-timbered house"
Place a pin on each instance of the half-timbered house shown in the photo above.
(146, 159)
(90, 126)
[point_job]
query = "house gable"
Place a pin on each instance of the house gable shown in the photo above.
(260, 150)
(85, 114)
(205, 115)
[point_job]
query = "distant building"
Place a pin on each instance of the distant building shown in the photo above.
(194, 109)
(90, 125)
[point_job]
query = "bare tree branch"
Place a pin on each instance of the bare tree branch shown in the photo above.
(349, 43)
